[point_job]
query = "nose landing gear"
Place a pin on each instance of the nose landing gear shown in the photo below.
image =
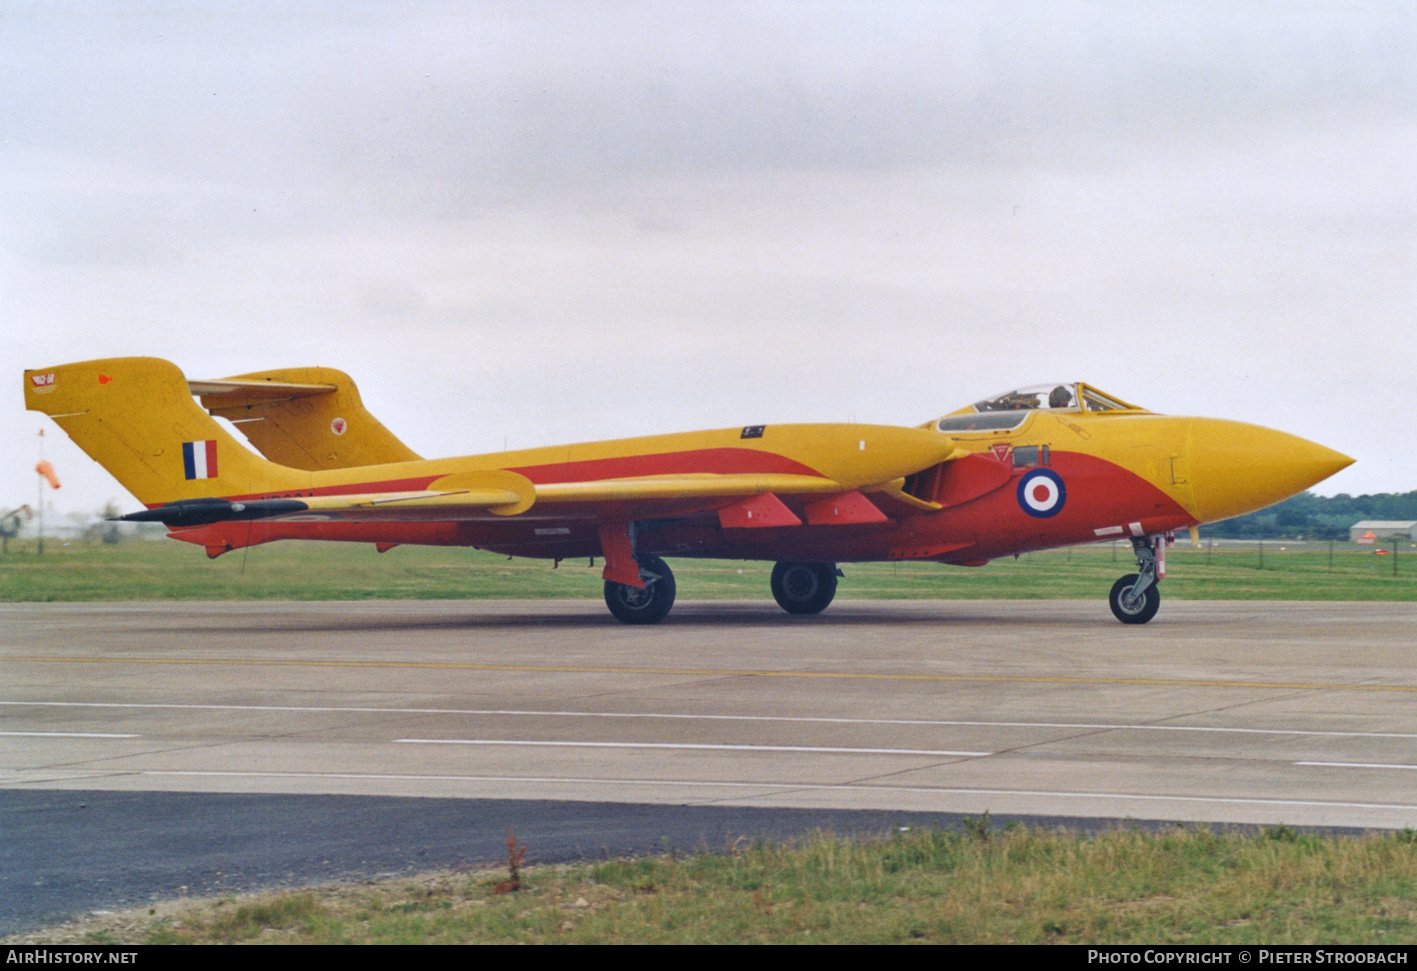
(1134, 598)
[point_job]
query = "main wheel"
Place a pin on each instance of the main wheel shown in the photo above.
(804, 588)
(631, 605)
(1140, 613)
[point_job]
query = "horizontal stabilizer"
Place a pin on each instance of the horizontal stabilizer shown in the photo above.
(232, 392)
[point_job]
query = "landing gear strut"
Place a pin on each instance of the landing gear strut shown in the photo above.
(631, 605)
(1134, 598)
(804, 588)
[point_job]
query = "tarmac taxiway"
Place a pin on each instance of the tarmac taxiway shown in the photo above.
(1231, 712)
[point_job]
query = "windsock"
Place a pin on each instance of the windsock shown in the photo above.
(47, 470)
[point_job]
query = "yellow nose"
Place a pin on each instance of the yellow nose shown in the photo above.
(1237, 468)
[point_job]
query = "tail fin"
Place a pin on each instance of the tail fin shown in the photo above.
(319, 424)
(135, 416)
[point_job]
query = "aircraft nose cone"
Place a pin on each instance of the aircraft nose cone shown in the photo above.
(1237, 468)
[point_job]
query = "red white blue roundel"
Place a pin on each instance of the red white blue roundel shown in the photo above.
(1041, 493)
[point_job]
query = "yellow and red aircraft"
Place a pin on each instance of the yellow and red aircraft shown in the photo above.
(1035, 468)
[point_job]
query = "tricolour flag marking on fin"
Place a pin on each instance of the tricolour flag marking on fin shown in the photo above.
(199, 459)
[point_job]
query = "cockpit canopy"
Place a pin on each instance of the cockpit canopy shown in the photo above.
(1009, 410)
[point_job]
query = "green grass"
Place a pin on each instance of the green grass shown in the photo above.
(166, 570)
(975, 884)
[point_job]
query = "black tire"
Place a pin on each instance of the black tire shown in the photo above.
(804, 588)
(631, 605)
(1151, 601)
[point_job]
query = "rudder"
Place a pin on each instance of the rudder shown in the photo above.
(135, 416)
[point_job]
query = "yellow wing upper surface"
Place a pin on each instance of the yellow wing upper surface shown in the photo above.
(660, 476)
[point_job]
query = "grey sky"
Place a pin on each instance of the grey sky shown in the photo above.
(540, 222)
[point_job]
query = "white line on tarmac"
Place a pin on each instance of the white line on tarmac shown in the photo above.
(568, 780)
(1360, 765)
(68, 735)
(816, 749)
(517, 712)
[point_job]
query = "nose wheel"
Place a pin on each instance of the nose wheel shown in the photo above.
(1135, 598)
(631, 605)
(1132, 606)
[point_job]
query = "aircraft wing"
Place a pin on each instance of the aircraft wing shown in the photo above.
(476, 496)
(825, 473)
(835, 494)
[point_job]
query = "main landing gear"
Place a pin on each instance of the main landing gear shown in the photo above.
(1134, 598)
(804, 588)
(799, 588)
(631, 605)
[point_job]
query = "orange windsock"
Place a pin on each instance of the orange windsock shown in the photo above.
(47, 470)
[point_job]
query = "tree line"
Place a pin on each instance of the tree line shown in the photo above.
(1308, 516)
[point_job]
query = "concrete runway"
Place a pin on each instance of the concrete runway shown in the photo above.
(1241, 712)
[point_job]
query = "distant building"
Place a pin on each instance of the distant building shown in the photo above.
(1378, 530)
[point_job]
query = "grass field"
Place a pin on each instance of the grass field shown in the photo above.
(167, 570)
(974, 885)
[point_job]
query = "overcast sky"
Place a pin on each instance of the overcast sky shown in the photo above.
(526, 223)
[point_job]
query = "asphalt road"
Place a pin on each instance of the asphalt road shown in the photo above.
(201, 745)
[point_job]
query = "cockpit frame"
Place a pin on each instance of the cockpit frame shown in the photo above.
(1009, 410)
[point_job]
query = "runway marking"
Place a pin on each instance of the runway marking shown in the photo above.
(811, 786)
(669, 716)
(1361, 765)
(692, 746)
(68, 735)
(717, 673)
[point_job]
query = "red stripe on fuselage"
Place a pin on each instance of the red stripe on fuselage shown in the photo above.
(721, 461)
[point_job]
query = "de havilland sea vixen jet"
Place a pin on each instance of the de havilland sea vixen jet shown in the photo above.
(1039, 467)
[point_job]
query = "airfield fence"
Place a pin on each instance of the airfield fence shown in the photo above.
(1392, 554)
